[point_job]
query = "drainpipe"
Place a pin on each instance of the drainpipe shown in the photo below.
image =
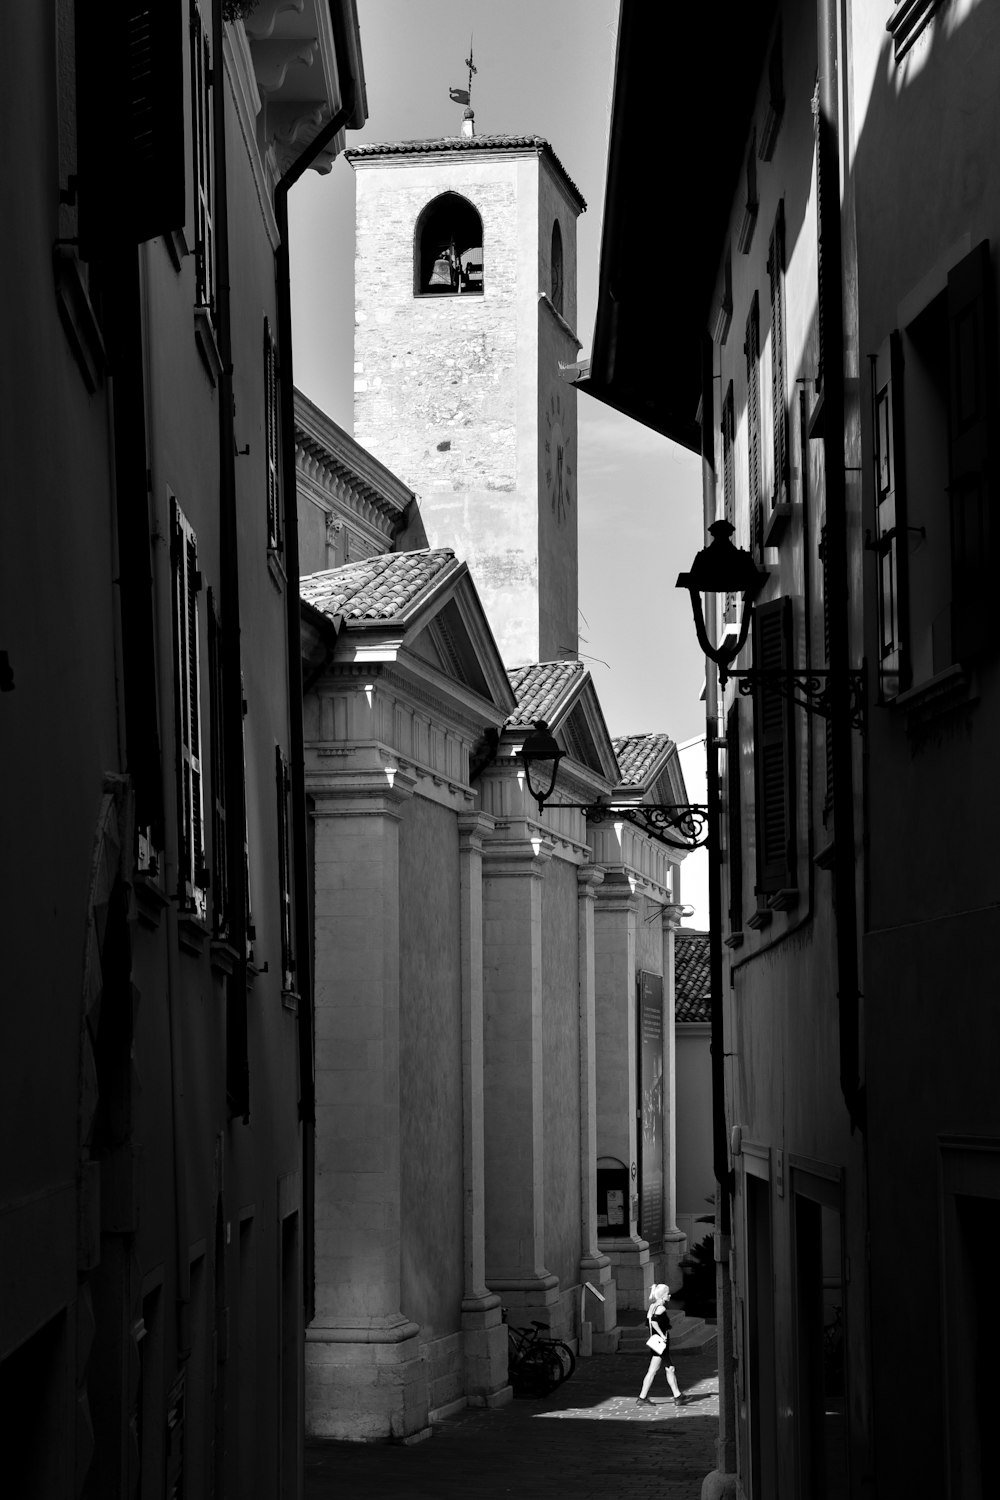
(832, 355)
(237, 1063)
(349, 60)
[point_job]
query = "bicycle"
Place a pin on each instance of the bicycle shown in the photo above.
(536, 1362)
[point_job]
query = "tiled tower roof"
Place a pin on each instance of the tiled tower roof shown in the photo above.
(467, 143)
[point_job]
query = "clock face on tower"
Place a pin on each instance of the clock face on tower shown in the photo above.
(558, 469)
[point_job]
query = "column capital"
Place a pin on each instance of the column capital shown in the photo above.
(616, 896)
(473, 828)
(671, 916)
(360, 794)
(588, 878)
(523, 857)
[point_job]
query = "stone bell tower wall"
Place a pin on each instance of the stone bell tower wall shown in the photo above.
(447, 388)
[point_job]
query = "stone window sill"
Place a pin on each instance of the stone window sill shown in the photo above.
(192, 932)
(78, 317)
(942, 694)
(204, 337)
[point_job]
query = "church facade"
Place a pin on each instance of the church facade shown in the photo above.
(494, 982)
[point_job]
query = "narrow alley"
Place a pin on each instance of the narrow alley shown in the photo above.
(589, 1440)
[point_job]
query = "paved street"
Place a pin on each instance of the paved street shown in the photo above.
(589, 1440)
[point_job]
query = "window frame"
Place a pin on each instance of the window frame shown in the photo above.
(774, 756)
(186, 585)
(203, 149)
(272, 442)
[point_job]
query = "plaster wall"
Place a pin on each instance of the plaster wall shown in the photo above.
(561, 1073)
(431, 1072)
(695, 1166)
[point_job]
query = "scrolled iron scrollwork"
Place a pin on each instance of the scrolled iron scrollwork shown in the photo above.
(810, 689)
(681, 826)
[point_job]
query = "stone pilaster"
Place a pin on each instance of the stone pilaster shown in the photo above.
(615, 968)
(597, 1319)
(513, 1114)
(484, 1335)
(366, 1374)
(674, 1242)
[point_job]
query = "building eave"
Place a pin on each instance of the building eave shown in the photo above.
(689, 136)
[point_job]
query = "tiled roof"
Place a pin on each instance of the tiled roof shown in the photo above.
(637, 754)
(375, 588)
(542, 687)
(692, 979)
(469, 143)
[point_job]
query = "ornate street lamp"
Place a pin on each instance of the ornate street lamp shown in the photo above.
(540, 756)
(679, 825)
(722, 568)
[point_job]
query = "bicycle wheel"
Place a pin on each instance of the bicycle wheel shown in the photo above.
(566, 1357)
(536, 1372)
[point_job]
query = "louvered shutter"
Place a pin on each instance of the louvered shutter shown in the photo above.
(773, 757)
(192, 879)
(271, 442)
(751, 348)
(220, 849)
(779, 407)
(971, 420)
(130, 121)
(890, 516)
(734, 814)
(824, 554)
(283, 786)
(729, 479)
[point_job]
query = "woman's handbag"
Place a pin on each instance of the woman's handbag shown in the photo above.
(657, 1343)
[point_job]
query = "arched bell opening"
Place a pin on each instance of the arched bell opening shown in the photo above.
(556, 269)
(448, 248)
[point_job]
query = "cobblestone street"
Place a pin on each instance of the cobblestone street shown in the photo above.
(589, 1441)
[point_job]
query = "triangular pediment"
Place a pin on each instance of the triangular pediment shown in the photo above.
(446, 645)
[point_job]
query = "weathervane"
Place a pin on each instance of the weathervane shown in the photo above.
(464, 96)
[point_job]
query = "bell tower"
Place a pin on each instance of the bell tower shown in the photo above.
(465, 305)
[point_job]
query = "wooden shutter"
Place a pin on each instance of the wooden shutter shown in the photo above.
(890, 516)
(192, 879)
(971, 419)
(773, 751)
(271, 440)
(204, 161)
(220, 848)
(283, 782)
(729, 479)
(751, 348)
(779, 405)
(734, 814)
(130, 120)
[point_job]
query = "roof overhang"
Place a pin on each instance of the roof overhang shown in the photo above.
(685, 85)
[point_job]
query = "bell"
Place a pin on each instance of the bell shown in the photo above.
(441, 274)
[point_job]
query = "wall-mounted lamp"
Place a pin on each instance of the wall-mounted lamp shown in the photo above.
(721, 568)
(678, 825)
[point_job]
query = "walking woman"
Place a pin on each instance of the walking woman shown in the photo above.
(659, 1342)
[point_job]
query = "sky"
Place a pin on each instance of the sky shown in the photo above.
(545, 67)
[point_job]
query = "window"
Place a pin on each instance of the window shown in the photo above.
(448, 248)
(751, 348)
(556, 268)
(734, 813)
(773, 756)
(775, 101)
(931, 482)
(272, 447)
(779, 405)
(130, 123)
(204, 166)
(745, 237)
(186, 581)
(729, 481)
(283, 781)
(220, 864)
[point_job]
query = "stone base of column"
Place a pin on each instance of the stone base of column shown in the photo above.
(484, 1352)
(632, 1270)
(674, 1248)
(360, 1390)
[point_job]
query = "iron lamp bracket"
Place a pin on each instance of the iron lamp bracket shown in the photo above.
(813, 689)
(678, 825)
